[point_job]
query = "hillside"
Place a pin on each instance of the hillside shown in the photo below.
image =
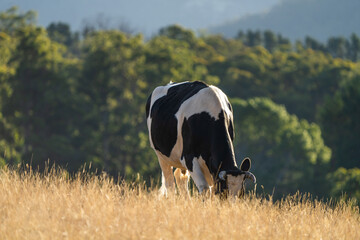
(296, 19)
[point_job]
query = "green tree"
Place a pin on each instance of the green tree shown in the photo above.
(11, 20)
(10, 139)
(245, 74)
(314, 44)
(302, 80)
(60, 32)
(270, 41)
(172, 60)
(253, 38)
(113, 87)
(288, 154)
(223, 46)
(203, 54)
(340, 123)
(10, 143)
(354, 47)
(241, 36)
(345, 183)
(337, 47)
(179, 33)
(284, 44)
(7, 46)
(39, 101)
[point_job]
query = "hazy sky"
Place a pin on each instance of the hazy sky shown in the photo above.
(146, 16)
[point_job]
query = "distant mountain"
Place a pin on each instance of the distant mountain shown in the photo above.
(296, 19)
(146, 16)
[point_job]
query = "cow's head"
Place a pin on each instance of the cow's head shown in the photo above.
(233, 182)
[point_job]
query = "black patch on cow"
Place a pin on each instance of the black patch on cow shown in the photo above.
(231, 130)
(206, 137)
(231, 123)
(221, 187)
(235, 172)
(230, 107)
(163, 110)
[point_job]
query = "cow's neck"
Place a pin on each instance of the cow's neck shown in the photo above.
(222, 153)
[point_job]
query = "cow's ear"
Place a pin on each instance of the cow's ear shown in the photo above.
(245, 165)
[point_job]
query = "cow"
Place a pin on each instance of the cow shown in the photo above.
(191, 128)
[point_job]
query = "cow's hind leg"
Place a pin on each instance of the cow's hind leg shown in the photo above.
(167, 179)
(182, 181)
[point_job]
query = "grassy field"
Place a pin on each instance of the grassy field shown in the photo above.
(84, 207)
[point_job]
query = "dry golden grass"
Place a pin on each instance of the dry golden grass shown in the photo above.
(54, 207)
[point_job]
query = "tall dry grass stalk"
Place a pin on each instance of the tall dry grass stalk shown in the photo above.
(54, 206)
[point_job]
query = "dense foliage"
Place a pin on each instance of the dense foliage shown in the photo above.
(74, 100)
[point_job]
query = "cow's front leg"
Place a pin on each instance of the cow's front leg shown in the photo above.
(197, 175)
(167, 179)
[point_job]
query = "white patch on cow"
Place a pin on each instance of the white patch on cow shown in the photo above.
(235, 184)
(206, 100)
(162, 190)
(149, 120)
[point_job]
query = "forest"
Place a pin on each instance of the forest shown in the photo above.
(77, 100)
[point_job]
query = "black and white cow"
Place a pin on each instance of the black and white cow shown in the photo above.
(191, 128)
